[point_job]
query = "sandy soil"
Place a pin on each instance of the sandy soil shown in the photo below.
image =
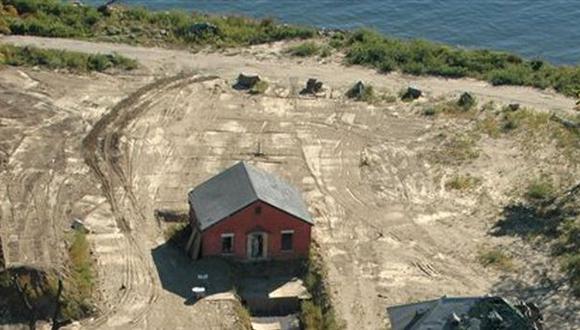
(389, 230)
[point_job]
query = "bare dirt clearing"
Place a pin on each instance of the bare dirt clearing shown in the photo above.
(389, 229)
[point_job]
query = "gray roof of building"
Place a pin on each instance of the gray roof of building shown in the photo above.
(436, 314)
(239, 186)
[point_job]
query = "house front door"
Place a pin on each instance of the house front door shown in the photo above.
(257, 246)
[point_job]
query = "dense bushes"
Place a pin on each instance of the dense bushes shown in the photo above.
(59, 59)
(53, 18)
(420, 57)
(318, 313)
(79, 285)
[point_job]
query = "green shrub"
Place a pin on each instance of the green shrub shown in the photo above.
(540, 189)
(462, 182)
(53, 18)
(311, 316)
(325, 51)
(495, 258)
(60, 59)
(458, 149)
(418, 57)
(259, 88)
(4, 28)
(304, 49)
(489, 125)
(368, 95)
(80, 283)
(244, 317)
(430, 111)
(317, 313)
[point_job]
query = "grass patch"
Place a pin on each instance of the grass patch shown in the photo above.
(429, 111)
(60, 59)
(79, 285)
(540, 189)
(244, 321)
(532, 128)
(462, 182)
(457, 149)
(419, 57)
(318, 313)
(368, 95)
(490, 126)
(137, 25)
(259, 88)
(305, 49)
(495, 258)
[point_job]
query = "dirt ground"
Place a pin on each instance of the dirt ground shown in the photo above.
(111, 149)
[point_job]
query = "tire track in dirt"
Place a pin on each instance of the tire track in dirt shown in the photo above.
(102, 154)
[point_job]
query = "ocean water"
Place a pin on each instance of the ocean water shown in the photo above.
(547, 29)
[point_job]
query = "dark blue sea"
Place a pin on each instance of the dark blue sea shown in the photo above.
(547, 29)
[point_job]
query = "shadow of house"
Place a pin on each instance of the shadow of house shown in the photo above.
(178, 274)
(272, 296)
(271, 288)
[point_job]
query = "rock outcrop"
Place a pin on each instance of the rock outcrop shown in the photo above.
(246, 81)
(313, 87)
(412, 93)
(357, 91)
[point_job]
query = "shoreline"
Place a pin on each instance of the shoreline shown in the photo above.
(177, 29)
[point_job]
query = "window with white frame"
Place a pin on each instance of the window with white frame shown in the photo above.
(287, 240)
(227, 243)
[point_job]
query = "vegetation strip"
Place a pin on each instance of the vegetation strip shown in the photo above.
(136, 25)
(318, 313)
(61, 59)
(419, 57)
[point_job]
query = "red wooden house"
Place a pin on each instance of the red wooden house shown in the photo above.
(248, 214)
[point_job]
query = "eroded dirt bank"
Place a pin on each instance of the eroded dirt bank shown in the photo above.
(390, 231)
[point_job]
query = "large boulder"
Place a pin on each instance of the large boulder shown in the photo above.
(357, 91)
(466, 101)
(246, 81)
(412, 93)
(513, 106)
(313, 87)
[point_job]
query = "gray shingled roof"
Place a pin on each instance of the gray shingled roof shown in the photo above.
(239, 186)
(437, 314)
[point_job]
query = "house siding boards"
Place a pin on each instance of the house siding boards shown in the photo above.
(246, 221)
